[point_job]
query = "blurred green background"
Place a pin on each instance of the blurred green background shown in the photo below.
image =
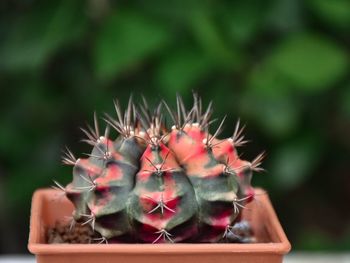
(281, 66)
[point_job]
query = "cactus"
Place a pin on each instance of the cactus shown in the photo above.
(154, 185)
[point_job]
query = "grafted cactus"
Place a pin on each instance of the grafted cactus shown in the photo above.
(156, 185)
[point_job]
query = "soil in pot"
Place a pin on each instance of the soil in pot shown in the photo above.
(64, 232)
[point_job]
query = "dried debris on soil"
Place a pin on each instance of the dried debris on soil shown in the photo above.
(65, 233)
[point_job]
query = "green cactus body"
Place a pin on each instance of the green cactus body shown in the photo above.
(215, 190)
(151, 186)
(226, 152)
(163, 206)
(102, 183)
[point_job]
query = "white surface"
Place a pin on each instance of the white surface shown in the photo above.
(16, 259)
(297, 257)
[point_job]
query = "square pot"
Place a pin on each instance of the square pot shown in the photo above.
(50, 206)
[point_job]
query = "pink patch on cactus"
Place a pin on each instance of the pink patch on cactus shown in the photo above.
(160, 207)
(222, 219)
(117, 156)
(109, 144)
(147, 233)
(197, 152)
(143, 175)
(111, 173)
(195, 132)
(91, 169)
(224, 150)
(180, 144)
(250, 193)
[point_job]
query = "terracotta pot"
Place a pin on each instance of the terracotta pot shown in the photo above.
(49, 206)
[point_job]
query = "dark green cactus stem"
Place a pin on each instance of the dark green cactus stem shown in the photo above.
(154, 185)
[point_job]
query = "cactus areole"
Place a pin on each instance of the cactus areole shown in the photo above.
(158, 184)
